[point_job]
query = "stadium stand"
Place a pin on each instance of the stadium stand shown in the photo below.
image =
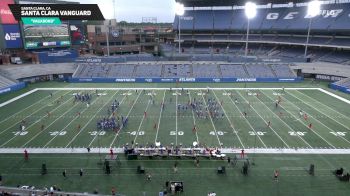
(5, 82)
(188, 69)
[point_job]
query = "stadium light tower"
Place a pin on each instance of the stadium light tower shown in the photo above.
(250, 12)
(313, 9)
(179, 11)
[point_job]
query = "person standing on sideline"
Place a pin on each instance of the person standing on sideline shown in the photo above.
(26, 156)
(81, 172)
(276, 174)
(242, 154)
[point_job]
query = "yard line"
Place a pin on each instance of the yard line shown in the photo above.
(322, 112)
(266, 122)
(194, 119)
(18, 97)
(116, 135)
(40, 100)
(321, 122)
(324, 105)
(109, 117)
(176, 119)
(89, 121)
(307, 126)
(290, 128)
(36, 135)
(143, 118)
(36, 122)
(247, 121)
(211, 120)
(74, 120)
(160, 117)
(233, 128)
(30, 115)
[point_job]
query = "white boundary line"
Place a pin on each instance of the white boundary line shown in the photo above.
(3, 131)
(98, 134)
(319, 120)
(18, 97)
(233, 128)
(194, 118)
(290, 128)
(211, 120)
(143, 118)
(88, 122)
(223, 150)
(265, 122)
(283, 120)
(160, 116)
(71, 121)
(247, 121)
(176, 118)
(324, 104)
(121, 128)
(307, 125)
(315, 108)
(31, 105)
(333, 95)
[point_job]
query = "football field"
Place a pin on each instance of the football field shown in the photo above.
(306, 120)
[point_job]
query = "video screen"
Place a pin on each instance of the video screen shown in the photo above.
(46, 36)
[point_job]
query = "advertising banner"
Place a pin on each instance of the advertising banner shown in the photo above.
(6, 16)
(12, 36)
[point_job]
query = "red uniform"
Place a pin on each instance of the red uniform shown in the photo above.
(310, 126)
(145, 114)
(111, 152)
(155, 126)
(26, 156)
(305, 117)
(194, 129)
(242, 153)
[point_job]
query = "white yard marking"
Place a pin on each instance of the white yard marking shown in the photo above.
(315, 108)
(318, 120)
(307, 125)
(266, 122)
(18, 97)
(194, 119)
(29, 115)
(322, 151)
(248, 122)
(86, 124)
(211, 120)
(36, 135)
(98, 134)
(176, 118)
(290, 128)
(31, 105)
(233, 128)
(160, 116)
(121, 128)
(35, 122)
(143, 118)
(73, 121)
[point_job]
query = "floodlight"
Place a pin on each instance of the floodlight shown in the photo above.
(250, 10)
(179, 9)
(313, 8)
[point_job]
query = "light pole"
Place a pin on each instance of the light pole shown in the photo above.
(313, 9)
(250, 12)
(179, 11)
(107, 39)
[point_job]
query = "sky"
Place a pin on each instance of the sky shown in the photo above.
(134, 10)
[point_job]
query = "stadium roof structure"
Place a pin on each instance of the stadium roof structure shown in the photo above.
(208, 3)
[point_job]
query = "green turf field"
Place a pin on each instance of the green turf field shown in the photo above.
(282, 143)
(225, 126)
